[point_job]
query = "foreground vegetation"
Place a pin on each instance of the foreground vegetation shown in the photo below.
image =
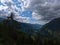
(11, 34)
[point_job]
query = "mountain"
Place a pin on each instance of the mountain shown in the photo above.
(17, 33)
(1, 19)
(25, 27)
(29, 28)
(11, 33)
(51, 29)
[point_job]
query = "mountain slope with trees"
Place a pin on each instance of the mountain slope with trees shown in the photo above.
(50, 32)
(11, 34)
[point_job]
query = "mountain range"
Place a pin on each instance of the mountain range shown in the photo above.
(25, 27)
(25, 33)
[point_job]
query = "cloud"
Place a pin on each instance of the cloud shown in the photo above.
(45, 10)
(16, 7)
(26, 3)
(36, 16)
(3, 7)
(22, 19)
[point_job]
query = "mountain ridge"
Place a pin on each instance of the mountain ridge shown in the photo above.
(26, 27)
(51, 29)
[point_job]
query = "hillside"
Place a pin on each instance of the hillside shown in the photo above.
(10, 34)
(52, 27)
(51, 32)
(17, 33)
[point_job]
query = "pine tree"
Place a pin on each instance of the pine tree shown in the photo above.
(11, 16)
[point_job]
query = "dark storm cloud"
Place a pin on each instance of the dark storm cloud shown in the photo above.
(48, 9)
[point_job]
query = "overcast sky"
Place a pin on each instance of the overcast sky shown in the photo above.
(32, 11)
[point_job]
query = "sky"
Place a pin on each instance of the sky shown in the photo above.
(31, 11)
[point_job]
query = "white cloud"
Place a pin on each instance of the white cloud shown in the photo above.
(11, 6)
(3, 7)
(5, 1)
(39, 22)
(36, 16)
(22, 19)
(45, 10)
(26, 3)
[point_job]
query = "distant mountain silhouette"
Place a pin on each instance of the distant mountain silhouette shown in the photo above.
(25, 27)
(17, 33)
(29, 28)
(51, 29)
(11, 33)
